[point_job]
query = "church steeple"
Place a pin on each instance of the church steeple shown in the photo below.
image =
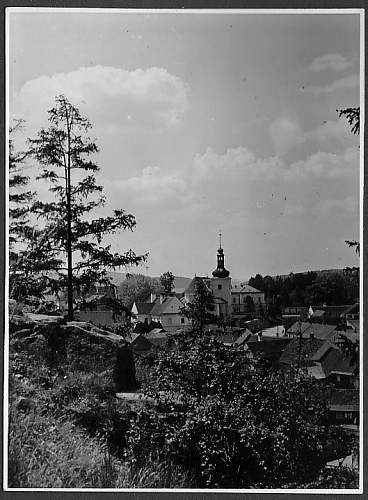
(220, 271)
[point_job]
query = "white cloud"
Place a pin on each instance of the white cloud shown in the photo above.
(152, 187)
(330, 129)
(239, 161)
(348, 82)
(285, 134)
(108, 95)
(335, 62)
(324, 165)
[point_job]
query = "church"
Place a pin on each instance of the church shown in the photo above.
(230, 299)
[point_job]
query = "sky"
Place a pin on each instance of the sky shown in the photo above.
(207, 122)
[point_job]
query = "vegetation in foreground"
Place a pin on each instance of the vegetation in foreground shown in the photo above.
(218, 421)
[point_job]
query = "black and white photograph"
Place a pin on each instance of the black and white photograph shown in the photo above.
(184, 241)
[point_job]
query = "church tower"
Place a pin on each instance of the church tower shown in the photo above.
(221, 285)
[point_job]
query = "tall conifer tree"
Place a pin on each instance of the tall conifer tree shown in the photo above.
(76, 253)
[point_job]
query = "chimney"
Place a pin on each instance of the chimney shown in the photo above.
(153, 297)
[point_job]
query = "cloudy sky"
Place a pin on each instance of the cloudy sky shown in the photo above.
(207, 122)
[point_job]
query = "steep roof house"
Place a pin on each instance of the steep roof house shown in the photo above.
(166, 310)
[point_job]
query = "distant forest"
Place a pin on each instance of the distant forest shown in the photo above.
(310, 288)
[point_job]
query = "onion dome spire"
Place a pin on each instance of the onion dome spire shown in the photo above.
(220, 271)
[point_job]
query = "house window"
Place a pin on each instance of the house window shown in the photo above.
(259, 299)
(219, 287)
(182, 321)
(234, 300)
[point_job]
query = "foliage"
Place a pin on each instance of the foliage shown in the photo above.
(22, 264)
(167, 282)
(249, 302)
(304, 289)
(332, 478)
(198, 310)
(232, 423)
(63, 152)
(353, 117)
(136, 288)
(19, 199)
(354, 244)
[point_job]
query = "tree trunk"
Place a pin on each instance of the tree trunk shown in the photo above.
(69, 236)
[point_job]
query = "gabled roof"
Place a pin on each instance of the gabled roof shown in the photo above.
(243, 337)
(170, 305)
(320, 331)
(299, 327)
(318, 313)
(322, 351)
(245, 288)
(307, 347)
(144, 307)
(355, 324)
(268, 346)
(139, 342)
(344, 397)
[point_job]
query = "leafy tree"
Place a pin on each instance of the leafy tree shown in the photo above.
(198, 310)
(23, 238)
(136, 288)
(230, 422)
(167, 282)
(19, 199)
(249, 303)
(76, 253)
(353, 117)
(257, 282)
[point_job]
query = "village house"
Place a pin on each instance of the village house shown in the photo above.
(164, 309)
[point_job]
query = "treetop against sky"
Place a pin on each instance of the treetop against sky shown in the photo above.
(206, 122)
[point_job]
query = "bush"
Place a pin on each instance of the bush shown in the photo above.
(231, 423)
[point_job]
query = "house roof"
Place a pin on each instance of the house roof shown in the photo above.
(344, 397)
(318, 313)
(139, 341)
(170, 305)
(338, 311)
(308, 347)
(267, 347)
(144, 307)
(243, 337)
(299, 327)
(158, 339)
(320, 331)
(355, 324)
(245, 288)
(323, 350)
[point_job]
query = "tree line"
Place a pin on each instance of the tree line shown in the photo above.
(310, 288)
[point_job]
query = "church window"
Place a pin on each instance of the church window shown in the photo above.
(219, 287)
(182, 321)
(170, 321)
